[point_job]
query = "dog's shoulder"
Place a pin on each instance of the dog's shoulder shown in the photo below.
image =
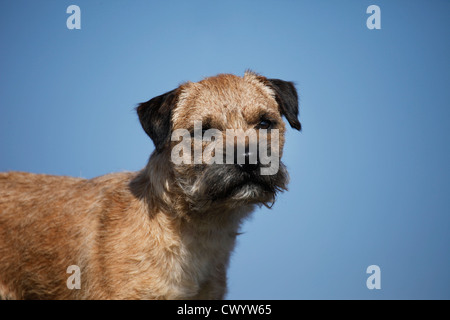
(38, 189)
(18, 178)
(16, 183)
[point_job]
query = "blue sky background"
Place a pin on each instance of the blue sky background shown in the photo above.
(370, 173)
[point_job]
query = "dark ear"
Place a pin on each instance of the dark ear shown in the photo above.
(287, 98)
(155, 117)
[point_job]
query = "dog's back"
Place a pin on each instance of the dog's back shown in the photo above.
(35, 213)
(47, 222)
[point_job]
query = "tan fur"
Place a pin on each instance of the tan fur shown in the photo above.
(134, 235)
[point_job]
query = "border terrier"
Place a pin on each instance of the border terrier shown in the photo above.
(165, 232)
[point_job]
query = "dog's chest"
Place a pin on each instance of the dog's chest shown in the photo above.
(199, 258)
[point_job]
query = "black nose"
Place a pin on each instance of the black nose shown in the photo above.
(249, 161)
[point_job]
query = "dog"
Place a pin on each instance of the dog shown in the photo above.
(165, 232)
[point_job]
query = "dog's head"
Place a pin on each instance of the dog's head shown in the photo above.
(224, 137)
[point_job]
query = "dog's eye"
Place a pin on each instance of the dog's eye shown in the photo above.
(204, 129)
(265, 124)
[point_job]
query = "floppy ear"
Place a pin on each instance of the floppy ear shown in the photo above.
(155, 117)
(287, 98)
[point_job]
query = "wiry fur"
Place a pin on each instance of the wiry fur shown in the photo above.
(165, 232)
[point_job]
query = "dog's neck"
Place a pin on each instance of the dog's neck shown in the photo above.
(158, 188)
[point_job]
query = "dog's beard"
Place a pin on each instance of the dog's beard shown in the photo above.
(218, 184)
